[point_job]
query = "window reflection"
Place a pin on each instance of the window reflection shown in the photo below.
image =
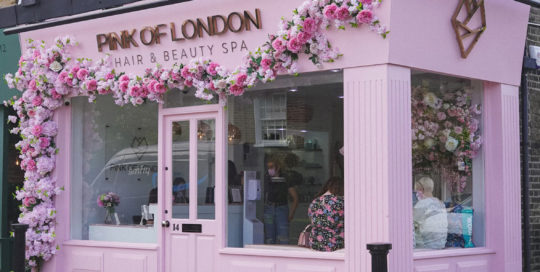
(448, 182)
(284, 141)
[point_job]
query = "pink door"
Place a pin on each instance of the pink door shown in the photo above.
(191, 144)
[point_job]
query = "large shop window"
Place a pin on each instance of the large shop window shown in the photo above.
(285, 168)
(448, 164)
(114, 171)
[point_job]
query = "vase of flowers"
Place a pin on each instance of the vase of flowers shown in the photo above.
(108, 201)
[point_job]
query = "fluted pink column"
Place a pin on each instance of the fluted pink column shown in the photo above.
(502, 176)
(378, 171)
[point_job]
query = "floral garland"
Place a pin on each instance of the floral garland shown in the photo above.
(49, 76)
(446, 135)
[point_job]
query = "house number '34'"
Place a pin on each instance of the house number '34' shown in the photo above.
(176, 227)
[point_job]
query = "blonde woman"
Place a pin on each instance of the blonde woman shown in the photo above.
(429, 214)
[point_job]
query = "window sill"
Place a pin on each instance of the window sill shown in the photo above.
(285, 252)
(90, 243)
(453, 252)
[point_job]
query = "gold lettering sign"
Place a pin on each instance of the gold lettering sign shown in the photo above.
(190, 29)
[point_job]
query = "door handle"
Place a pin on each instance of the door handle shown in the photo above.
(165, 223)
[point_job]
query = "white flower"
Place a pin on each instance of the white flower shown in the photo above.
(431, 99)
(220, 84)
(429, 142)
(451, 144)
(55, 66)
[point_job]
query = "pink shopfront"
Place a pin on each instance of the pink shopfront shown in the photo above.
(190, 174)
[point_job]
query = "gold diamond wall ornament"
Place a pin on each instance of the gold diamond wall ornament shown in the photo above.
(464, 31)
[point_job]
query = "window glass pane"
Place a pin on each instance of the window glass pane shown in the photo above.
(448, 183)
(114, 171)
(283, 145)
(206, 165)
(177, 98)
(180, 169)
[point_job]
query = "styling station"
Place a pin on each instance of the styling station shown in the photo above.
(419, 109)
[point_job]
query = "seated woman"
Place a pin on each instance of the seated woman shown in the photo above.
(327, 217)
(429, 215)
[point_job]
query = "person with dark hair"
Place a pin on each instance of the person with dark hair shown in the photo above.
(277, 215)
(180, 194)
(327, 214)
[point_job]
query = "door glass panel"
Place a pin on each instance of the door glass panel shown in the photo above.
(180, 169)
(206, 165)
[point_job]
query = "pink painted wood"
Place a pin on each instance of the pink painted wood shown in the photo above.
(502, 177)
(378, 164)
(191, 252)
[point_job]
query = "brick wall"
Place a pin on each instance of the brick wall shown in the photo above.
(533, 38)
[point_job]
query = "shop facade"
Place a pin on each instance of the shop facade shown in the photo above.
(198, 167)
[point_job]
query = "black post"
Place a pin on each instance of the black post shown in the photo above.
(19, 247)
(379, 253)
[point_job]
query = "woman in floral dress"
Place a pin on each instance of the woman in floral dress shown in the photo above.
(327, 217)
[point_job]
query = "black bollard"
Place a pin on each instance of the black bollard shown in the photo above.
(19, 247)
(379, 253)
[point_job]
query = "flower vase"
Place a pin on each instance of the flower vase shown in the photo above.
(109, 214)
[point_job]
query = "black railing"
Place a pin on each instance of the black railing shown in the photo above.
(379, 256)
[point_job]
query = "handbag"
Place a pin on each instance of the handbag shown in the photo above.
(303, 239)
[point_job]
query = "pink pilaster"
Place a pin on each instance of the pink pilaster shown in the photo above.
(378, 161)
(503, 209)
(62, 173)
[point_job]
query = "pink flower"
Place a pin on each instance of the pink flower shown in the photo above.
(160, 88)
(99, 202)
(279, 45)
(37, 129)
(74, 70)
(62, 77)
(44, 142)
(458, 130)
(309, 25)
(364, 17)
(303, 37)
(55, 95)
(330, 11)
(45, 164)
(32, 85)
(91, 84)
(241, 78)
(123, 86)
(29, 201)
(50, 128)
(266, 63)
(30, 165)
(342, 13)
(211, 69)
(441, 116)
(37, 101)
(82, 73)
(294, 45)
(364, 2)
(109, 76)
(185, 72)
(236, 90)
(124, 78)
